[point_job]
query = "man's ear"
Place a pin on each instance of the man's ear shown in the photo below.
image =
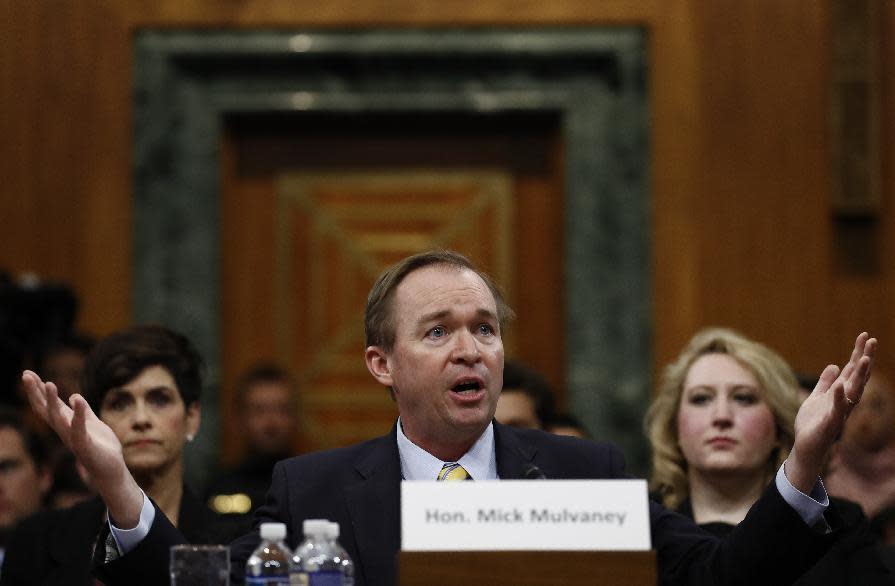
(378, 365)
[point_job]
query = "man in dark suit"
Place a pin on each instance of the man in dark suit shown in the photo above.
(433, 325)
(25, 475)
(265, 400)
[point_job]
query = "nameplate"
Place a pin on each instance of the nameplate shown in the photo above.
(513, 515)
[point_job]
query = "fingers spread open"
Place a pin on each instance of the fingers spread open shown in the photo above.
(79, 419)
(860, 343)
(870, 347)
(838, 390)
(827, 378)
(870, 353)
(854, 385)
(35, 392)
(848, 370)
(59, 413)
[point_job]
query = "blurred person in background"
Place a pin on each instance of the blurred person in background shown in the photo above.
(267, 404)
(565, 424)
(63, 362)
(24, 474)
(70, 483)
(862, 467)
(526, 399)
(720, 425)
(144, 382)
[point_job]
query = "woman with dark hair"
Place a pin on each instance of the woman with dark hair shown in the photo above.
(720, 425)
(144, 382)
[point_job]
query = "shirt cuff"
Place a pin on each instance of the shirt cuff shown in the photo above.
(810, 507)
(128, 539)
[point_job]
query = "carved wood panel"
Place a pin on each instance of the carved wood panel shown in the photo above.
(335, 233)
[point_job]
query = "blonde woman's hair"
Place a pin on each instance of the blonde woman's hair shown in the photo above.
(778, 387)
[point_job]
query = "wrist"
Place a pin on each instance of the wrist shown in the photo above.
(123, 498)
(802, 477)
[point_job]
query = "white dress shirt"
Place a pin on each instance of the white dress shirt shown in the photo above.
(480, 462)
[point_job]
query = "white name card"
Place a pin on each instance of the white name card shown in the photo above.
(525, 515)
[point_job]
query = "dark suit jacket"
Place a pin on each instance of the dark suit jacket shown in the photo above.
(852, 561)
(56, 547)
(359, 487)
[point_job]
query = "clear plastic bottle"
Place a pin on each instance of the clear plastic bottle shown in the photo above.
(315, 562)
(269, 563)
(344, 559)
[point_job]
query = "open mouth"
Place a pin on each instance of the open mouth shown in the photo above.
(469, 386)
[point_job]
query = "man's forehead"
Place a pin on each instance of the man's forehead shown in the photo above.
(268, 393)
(268, 387)
(434, 288)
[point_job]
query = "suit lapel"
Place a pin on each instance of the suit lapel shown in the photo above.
(374, 506)
(514, 458)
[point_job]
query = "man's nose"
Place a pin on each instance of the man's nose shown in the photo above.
(466, 348)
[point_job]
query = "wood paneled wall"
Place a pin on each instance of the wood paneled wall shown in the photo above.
(743, 230)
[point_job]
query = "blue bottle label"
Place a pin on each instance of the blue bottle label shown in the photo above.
(325, 578)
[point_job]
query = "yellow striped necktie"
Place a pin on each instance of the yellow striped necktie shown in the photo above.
(453, 471)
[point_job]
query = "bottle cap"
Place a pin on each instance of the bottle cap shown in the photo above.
(332, 530)
(273, 531)
(315, 527)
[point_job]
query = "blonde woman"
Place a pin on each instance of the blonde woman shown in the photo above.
(720, 426)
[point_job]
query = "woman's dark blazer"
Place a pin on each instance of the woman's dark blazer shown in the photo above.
(56, 547)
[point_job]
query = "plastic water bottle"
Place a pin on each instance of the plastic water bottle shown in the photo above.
(315, 562)
(344, 560)
(269, 563)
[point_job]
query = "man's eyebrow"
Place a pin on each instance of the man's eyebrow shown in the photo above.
(435, 315)
(486, 313)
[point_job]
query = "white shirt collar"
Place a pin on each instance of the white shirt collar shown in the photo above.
(418, 464)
